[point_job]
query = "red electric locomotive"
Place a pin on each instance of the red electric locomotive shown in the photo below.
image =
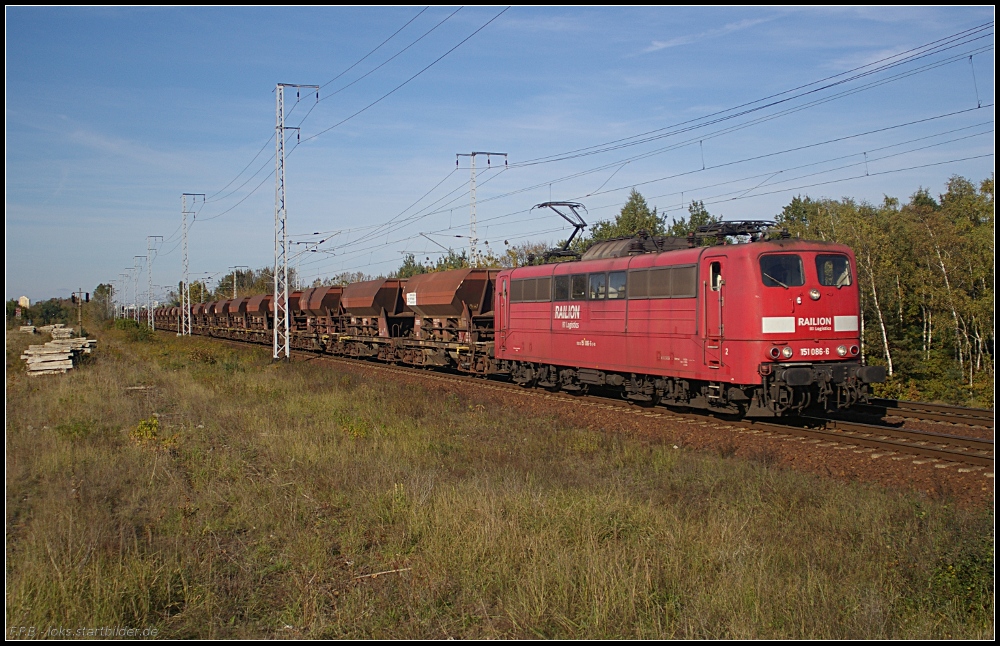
(763, 329)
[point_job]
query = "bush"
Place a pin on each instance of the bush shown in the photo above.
(133, 330)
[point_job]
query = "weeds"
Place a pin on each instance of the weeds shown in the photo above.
(236, 499)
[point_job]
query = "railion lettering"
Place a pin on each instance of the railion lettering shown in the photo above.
(567, 311)
(812, 322)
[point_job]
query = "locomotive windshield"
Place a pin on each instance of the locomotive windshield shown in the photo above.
(833, 271)
(782, 270)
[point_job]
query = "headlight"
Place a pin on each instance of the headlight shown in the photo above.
(842, 350)
(775, 352)
(814, 294)
(787, 352)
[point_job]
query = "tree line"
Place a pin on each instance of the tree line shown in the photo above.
(926, 271)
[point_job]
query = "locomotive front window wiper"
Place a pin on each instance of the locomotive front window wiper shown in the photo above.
(767, 275)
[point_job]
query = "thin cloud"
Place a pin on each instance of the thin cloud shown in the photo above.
(126, 149)
(729, 28)
(859, 59)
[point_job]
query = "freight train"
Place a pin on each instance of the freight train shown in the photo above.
(757, 324)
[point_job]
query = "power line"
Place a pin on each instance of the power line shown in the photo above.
(362, 59)
(389, 60)
(703, 137)
(843, 179)
(404, 83)
(753, 158)
(935, 47)
(620, 164)
(765, 175)
(210, 197)
(795, 149)
(358, 62)
(256, 188)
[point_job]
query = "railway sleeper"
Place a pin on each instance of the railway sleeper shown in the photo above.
(787, 390)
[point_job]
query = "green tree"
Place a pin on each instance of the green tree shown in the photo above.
(925, 276)
(410, 267)
(452, 260)
(348, 277)
(698, 216)
(54, 310)
(101, 306)
(634, 216)
(12, 313)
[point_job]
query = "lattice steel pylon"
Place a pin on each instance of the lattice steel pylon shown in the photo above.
(473, 233)
(281, 323)
(185, 283)
(149, 275)
(135, 286)
(123, 293)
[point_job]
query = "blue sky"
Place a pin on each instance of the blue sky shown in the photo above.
(113, 113)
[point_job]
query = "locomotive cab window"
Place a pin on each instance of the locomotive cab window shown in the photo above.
(716, 270)
(833, 270)
(616, 284)
(578, 287)
(597, 287)
(561, 288)
(782, 270)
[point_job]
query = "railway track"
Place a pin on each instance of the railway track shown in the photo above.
(936, 446)
(940, 449)
(930, 412)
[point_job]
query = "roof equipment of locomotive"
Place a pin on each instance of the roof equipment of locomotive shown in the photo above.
(575, 220)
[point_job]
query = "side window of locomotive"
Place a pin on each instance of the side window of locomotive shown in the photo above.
(562, 288)
(597, 285)
(659, 282)
(516, 291)
(543, 289)
(616, 284)
(638, 283)
(833, 270)
(684, 283)
(782, 270)
(578, 287)
(716, 269)
(529, 290)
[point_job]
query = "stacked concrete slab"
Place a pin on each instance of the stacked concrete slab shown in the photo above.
(57, 330)
(56, 356)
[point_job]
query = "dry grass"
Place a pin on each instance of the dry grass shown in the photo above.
(228, 497)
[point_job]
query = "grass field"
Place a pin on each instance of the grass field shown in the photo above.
(196, 488)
